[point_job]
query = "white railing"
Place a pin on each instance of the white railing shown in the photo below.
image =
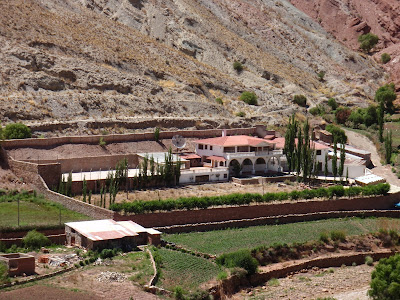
(253, 154)
(205, 170)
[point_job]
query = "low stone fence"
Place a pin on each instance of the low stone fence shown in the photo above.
(262, 179)
(221, 214)
(281, 219)
(234, 284)
(58, 239)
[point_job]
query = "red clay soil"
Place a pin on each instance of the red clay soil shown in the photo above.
(348, 19)
(42, 292)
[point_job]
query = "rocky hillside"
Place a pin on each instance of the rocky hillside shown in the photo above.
(71, 60)
(347, 19)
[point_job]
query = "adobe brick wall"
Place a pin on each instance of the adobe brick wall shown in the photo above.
(120, 138)
(220, 214)
(58, 239)
(22, 233)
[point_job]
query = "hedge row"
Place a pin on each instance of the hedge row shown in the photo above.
(337, 191)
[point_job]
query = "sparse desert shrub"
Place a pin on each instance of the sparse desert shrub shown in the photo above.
(385, 58)
(102, 142)
(273, 282)
(35, 240)
(300, 100)
(241, 114)
(157, 134)
(219, 101)
(369, 260)
(332, 103)
(323, 237)
(314, 110)
(368, 41)
(81, 263)
(237, 65)
(321, 75)
(16, 131)
(249, 98)
(338, 235)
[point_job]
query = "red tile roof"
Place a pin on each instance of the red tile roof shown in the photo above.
(217, 158)
(190, 156)
(280, 144)
(235, 140)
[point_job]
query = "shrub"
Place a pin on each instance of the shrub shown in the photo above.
(107, 253)
(385, 283)
(178, 293)
(369, 260)
(386, 94)
(316, 110)
(241, 259)
(35, 240)
(222, 275)
(219, 101)
(332, 103)
(3, 273)
(300, 100)
(321, 75)
(199, 295)
(237, 65)
(81, 263)
(273, 282)
(240, 114)
(338, 235)
(338, 134)
(368, 41)
(102, 142)
(323, 237)
(157, 134)
(249, 98)
(385, 58)
(342, 114)
(16, 131)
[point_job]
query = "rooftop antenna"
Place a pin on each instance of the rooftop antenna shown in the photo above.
(178, 141)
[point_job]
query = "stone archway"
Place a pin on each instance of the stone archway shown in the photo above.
(247, 166)
(234, 167)
(274, 164)
(260, 165)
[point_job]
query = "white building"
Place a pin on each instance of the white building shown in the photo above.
(241, 153)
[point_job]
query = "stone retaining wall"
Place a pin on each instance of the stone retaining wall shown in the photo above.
(221, 214)
(58, 239)
(121, 138)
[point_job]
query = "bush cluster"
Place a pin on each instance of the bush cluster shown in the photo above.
(337, 191)
(35, 240)
(16, 131)
(239, 259)
(300, 100)
(249, 98)
(237, 65)
(385, 58)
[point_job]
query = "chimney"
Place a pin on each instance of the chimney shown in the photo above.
(224, 132)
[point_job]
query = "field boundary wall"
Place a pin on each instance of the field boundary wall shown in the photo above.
(220, 214)
(121, 138)
(58, 239)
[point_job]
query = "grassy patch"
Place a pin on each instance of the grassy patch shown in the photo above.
(229, 240)
(138, 265)
(33, 211)
(187, 271)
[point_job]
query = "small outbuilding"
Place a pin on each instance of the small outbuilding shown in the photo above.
(18, 263)
(101, 234)
(369, 179)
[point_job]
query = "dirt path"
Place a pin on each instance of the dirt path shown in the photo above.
(362, 142)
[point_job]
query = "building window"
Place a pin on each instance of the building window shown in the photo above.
(229, 149)
(319, 166)
(225, 175)
(211, 147)
(318, 152)
(205, 147)
(200, 146)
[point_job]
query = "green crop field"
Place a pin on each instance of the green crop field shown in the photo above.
(229, 240)
(185, 270)
(34, 211)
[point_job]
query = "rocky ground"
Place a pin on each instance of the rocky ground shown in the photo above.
(74, 60)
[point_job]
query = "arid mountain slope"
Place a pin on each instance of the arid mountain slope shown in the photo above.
(347, 19)
(70, 59)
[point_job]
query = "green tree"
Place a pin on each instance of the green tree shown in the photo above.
(90, 197)
(332, 103)
(35, 240)
(368, 41)
(334, 161)
(342, 114)
(249, 98)
(290, 142)
(385, 283)
(338, 134)
(326, 166)
(16, 131)
(84, 189)
(385, 58)
(68, 189)
(386, 94)
(388, 146)
(380, 117)
(342, 160)
(157, 134)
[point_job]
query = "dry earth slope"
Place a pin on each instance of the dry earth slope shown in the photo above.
(77, 59)
(347, 19)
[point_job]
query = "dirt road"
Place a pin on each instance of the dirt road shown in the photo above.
(360, 141)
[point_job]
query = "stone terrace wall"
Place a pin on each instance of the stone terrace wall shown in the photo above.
(121, 138)
(87, 163)
(220, 214)
(58, 239)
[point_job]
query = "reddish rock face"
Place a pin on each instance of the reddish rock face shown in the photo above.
(347, 19)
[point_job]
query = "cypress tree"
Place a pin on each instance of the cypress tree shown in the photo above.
(326, 166)
(388, 146)
(90, 197)
(381, 113)
(290, 143)
(334, 161)
(68, 190)
(342, 160)
(84, 189)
